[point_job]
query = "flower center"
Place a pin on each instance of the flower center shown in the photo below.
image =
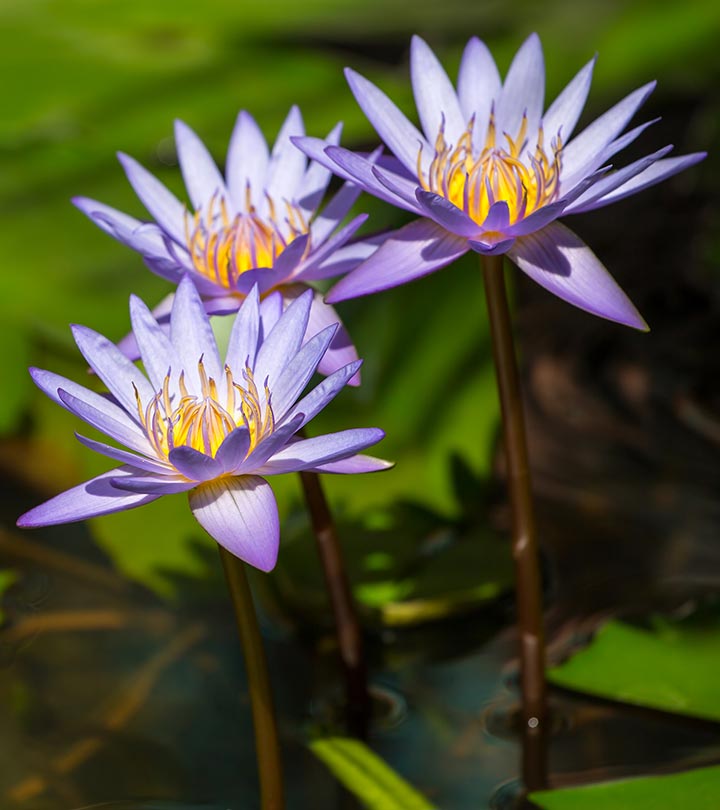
(223, 248)
(525, 182)
(203, 422)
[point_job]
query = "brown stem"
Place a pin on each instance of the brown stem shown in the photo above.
(524, 543)
(357, 706)
(267, 748)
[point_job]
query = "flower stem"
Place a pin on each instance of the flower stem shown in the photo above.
(347, 627)
(524, 544)
(266, 736)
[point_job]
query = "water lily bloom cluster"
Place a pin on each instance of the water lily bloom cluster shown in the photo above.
(491, 172)
(193, 423)
(260, 224)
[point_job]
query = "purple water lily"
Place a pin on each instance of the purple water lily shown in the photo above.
(491, 173)
(260, 224)
(210, 428)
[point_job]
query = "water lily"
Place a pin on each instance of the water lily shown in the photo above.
(260, 224)
(193, 423)
(491, 172)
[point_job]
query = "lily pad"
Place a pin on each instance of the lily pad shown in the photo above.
(672, 667)
(698, 789)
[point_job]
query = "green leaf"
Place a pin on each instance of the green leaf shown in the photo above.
(362, 772)
(697, 789)
(672, 667)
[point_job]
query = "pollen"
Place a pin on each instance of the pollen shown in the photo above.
(223, 247)
(504, 170)
(203, 421)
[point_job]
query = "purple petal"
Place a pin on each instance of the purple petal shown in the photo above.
(306, 453)
(435, 96)
(404, 189)
(247, 161)
(242, 346)
(491, 248)
(130, 436)
(581, 154)
(202, 177)
(655, 173)
(195, 465)
(625, 140)
(284, 340)
(90, 499)
(270, 445)
(564, 112)
(334, 212)
(559, 261)
(152, 484)
(311, 404)
(343, 259)
(157, 352)
(287, 163)
(166, 209)
(330, 247)
(241, 515)
(354, 464)
(498, 218)
(289, 259)
(413, 251)
(316, 179)
(401, 137)
(233, 451)
(341, 351)
(271, 308)
(117, 372)
(523, 91)
(139, 462)
(192, 335)
(446, 214)
(478, 86)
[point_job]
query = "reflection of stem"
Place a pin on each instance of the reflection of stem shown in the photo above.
(117, 716)
(267, 748)
(347, 627)
(524, 543)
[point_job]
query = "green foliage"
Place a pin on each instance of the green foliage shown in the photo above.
(7, 578)
(697, 789)
(672, 667)
(375, 784)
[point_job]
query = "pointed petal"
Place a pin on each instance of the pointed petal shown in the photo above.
(289, 259)
(241, 514)
(247, 160)
(523, 91)
(329, 248)
(478, 86)
(233, 451)
(200, 173)
(152, 484)
(195, 465)
(334, 212)
(341, 351)
(435, 97)
(270, 445)
(157, 352)
(287, 162)
(120, 375)
(271, 308)
(354, 464)
(559, 261)
(447, 215)
(284, 340)
(402, 138)
(90, 499)
(498, 218)
(166, 209)
(316, 179)
(563, 114)
(343, 259)
(413, 251)
(242, 346)
(148, 465)
(491, 248)
(192, 335)
(655, 173)
(311, 404)
(306, 453)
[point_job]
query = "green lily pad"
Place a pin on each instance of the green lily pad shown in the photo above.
(698, 789)
(672, 667)
(376, 784)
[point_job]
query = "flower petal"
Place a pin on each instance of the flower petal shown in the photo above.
(152, 484)
(241, 514)
(148, 465)
(287, 163)
(284, 340)
(435, 97)
(200, 173)
(233, 451)
(563, 114)
(311, 404)
(157, 352)
(354, 464)
(402, 138)
(446, 214)
(270, 445)
(478, 86)
(523, 91)
(343, 259)
(316, 179)
(247, 160)
(192, 336)
(195, 465)
(89, 499)
(341, 351)
(559, 261)
(329, 247)
(413, 251)
(166, 209)
(306, 453)
(333, 213)
(491, 248)
(242, 345)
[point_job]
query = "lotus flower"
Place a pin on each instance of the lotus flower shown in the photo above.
(491, 172)
(212, 429)
(260, 224)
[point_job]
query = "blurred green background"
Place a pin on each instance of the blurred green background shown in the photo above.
(83, 79)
